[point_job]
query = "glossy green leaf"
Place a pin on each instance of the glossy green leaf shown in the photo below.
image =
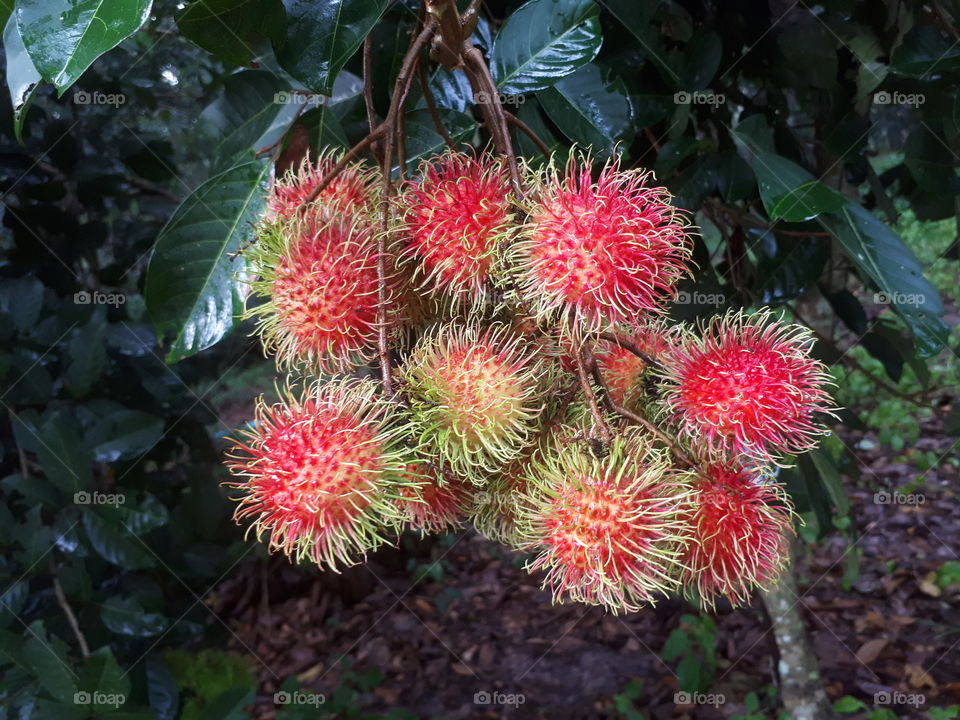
(162, 691)
(925, 50)
(880, 254)
(46, 657)
(243, 113)
(125, 616)
(87, 356)
(100, 673)
(192, 290)
(114, 543)
(591, 108)
(810, 51)
(322, 35)
(233, 30)
(124, 435)
(831, 480)
(60, 451)
(543, 41)
(22, 299)
(423, 140)
(23, 79)
(791, 193)
(64, 37)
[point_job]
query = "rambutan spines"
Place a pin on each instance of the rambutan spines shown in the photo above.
(626, 373)
(352, 191)
(474, 397)
(319, 277)
(741, 526)
(607, 531)
(452, 220)
(748, 386)
(593, 254)
(317, 473)
(436, 502)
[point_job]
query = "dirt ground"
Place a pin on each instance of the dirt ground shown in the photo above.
(477, 627)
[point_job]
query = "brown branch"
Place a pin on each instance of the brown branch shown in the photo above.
(581, 366)
(432, 107)
(68, 611)
(368, 87)
(630, 346)
(521, 125)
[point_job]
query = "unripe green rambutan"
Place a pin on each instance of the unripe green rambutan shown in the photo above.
(474, 397)
(319, 473)
(608, 531)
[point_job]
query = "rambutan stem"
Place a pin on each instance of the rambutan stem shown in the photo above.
(630, 346)
(432, 107)
(522, 126)
(368, 87)
(581, 354)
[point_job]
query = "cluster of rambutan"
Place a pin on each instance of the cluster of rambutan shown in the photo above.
(540, 393)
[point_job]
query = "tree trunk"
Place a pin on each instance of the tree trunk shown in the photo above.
(801, 687)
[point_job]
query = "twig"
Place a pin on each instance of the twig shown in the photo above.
(68, 611)
(368, 87)
(432, 107)
(652, 139)
(580, 352)
(520, 124)
(630, 346)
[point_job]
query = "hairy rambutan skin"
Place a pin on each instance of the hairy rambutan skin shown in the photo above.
(474, 396)
(741, 526)
(319, 474)
(607, 531)
(593, 254)
(437, 502)
(319, 278)
(453, 219)
(354, 190)
(747, 385)
(624, 372)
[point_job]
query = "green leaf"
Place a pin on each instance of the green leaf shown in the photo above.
(423, 140)
(543, 41)
(693, 66)
(64, 37)
(848, 704)
(162, 691)
(233, 30)
(755, 134)
(125, 616)
(87, 356)
(831, 480)
(591, 108)
(123, 435)
(23, 79)
(192, 290)
(791, 193)
(22, 299)
(46, 657)
(100, 673)
(322, 36)
(925, 50)
(114, 543)
(810, 50)
(60, 451)
(251, 100)
(880, 254)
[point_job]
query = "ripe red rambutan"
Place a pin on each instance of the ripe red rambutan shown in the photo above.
(352, 191)
(453, 219)
(433, 504)
(474, 396)
(607, 531)
(748, 386)
(623, 371)
(318, 473)
(320, 280)
(593, 254)
(740, 527)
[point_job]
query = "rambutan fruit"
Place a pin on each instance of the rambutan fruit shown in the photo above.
(741, 524)
(453, 219)
(351, 191)
(607, 531)
(593, 254)
(319, 473)
(320, 280)
(624, 372)
(436, 501)
(747, 385)
(474, 396)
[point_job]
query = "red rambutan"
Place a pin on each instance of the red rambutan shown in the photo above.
(350, 192)
(593, 254)
(607, 531)
(748, 386)
(319, 473)
(432, 504)
(453, 219)
(623, 371)
(740, 527)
